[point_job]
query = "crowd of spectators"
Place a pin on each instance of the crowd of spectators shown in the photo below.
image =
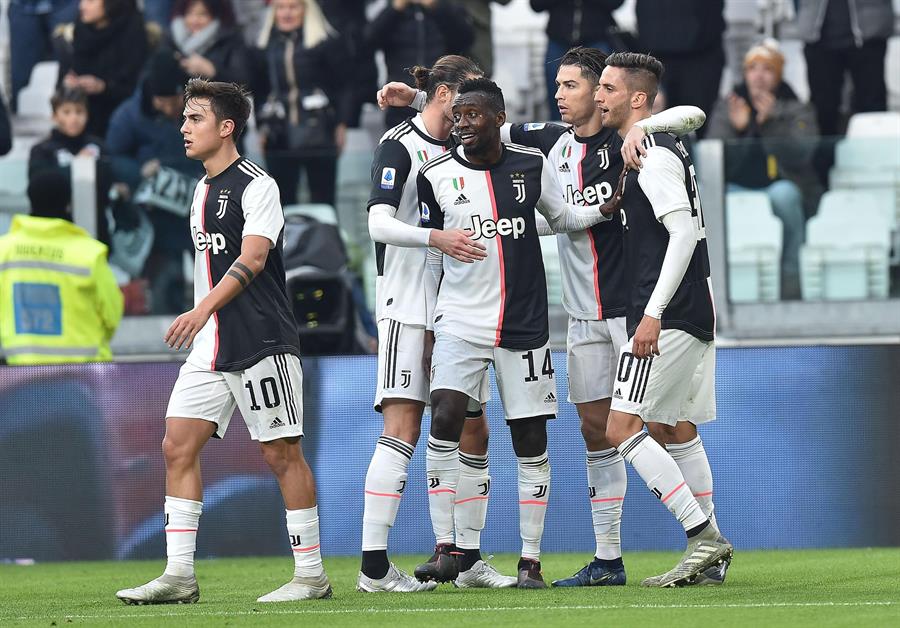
(123, 65)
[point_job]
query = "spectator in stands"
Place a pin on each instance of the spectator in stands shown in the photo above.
(60, 301)
(417, 32)
(686, 35)
(147, 152)
(204, 35)
(574, 23)
(103, 53)
(303, 99)
(31, 26)
(69, 140)
(5, 128)
(845, 36)
(482, 51)
(771, 137)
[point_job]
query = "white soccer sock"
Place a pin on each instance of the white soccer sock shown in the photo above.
(303, 530)
(663, 478)
(442, 471)
(385, 483)
(182, 520)
(534, 493)
(470, 506)
(691, 459)
(607, 481)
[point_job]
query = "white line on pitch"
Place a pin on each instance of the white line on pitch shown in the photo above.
(477, 609)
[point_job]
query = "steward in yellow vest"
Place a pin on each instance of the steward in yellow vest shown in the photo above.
(59, 301)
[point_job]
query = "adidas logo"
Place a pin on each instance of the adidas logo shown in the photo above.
(551, 398)
(565, 167)
(461, 200)
(618, 393)
(276, 423)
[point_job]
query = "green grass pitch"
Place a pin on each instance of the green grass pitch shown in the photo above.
(771, 588)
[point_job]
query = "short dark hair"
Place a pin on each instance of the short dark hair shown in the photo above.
(449, 70)
(492, 93)
(643, 71)
(229, 101)
(68, 95)
(117, 8)
(590, 60)
(50, 193)
(219, 9)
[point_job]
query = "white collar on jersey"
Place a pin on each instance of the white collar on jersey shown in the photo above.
(419, 123)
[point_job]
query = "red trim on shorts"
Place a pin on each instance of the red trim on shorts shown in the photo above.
(499, 240)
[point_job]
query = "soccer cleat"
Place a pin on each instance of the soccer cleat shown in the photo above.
(166, 589)
(530, 575)
(594, 575)
(482, 575)
(708, 549)
(714, 575)
(396, 581)
(441, 567)
(300, 588)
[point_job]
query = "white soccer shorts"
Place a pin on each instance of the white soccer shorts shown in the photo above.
(679, 384)
(592, 354)
(525, 378)
(269, 395)
(401, 374)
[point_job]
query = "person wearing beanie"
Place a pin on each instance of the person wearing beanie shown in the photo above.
(771, 136)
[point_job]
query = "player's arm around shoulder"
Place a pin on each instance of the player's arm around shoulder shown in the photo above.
(662, 180)
(679, 120)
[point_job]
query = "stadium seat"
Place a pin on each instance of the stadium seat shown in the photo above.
(14, 186)
(550, 253)
(754, 239)
(322, 212)
(846, 250)
(881, 124)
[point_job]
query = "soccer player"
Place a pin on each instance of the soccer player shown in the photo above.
(666, 371)
(245, 350)
(586, 161)
(495, 311)
(459, 478)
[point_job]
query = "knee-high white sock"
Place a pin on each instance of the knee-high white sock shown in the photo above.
(534, 493)
(472, 493)
(607, 481)
(385, 483)
(691, 459)
(303, 530)
(442, 470)
(182, 520)
(663, 478)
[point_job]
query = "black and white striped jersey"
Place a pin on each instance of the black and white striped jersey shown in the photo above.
(399, 288)
(242, 200)
(666, 183)
(501, 300)
(587, 169)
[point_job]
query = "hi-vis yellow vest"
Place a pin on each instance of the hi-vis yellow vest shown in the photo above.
(59, 301)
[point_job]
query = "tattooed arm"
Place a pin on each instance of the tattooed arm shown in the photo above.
(251, 261)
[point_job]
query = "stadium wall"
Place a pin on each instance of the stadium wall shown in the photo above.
(804, 454)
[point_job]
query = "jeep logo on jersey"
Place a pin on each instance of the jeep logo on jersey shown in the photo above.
(603, 154)
(591, 195)
(215, 242)
(518, 181)
(487, 228)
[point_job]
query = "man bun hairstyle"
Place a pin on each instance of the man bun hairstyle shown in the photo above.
(493, 95)
(643, 72)
(449, 70)
(228, 101)
(589, 60)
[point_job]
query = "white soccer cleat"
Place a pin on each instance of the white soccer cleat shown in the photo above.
(394, 581)
(166, 589)
(305, 588)
(482, 575)
(709, 549)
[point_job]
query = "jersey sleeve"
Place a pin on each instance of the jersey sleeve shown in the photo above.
(662, 180)
(431, 213)
(390, 170)
(263, 215)
(540, 135)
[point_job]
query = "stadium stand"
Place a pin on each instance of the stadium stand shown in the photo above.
(754, 240)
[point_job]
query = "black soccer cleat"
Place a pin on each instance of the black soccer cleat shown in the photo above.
(530, 576)
(441, 567)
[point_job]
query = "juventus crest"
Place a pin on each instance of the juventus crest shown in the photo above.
(223, 203)
(603, 154)
(518, 181)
